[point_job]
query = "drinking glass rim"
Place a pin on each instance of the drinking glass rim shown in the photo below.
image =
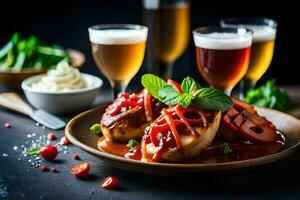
(245, 33)
(100, 27)
(250, 21)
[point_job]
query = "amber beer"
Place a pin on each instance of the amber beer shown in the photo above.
(264, 33)
(222, 58)
(261, 52)
(118, 53)
(169, 30)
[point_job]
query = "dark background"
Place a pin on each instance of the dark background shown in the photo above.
(66, 22)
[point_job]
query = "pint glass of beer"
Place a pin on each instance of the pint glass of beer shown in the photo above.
(169, 30)
(264, 33)
(222, 55)
(118, 50)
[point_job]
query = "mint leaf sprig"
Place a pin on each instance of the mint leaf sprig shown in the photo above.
(153, 83)
(193, 94)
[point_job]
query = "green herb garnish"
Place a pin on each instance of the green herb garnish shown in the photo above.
(188, 85)
(193, 94)
(96, 129)
(153, 83)
(132, 143)
(226, 148)
(33, 151)
(168, 95)
(185, 100)
(212, 99)
(268, 95)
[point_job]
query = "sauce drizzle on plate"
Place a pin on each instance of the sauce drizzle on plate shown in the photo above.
(242, 150)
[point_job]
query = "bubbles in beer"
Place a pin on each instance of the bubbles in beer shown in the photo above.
(222, 41)
(117, 36)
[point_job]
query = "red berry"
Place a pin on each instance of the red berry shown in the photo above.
(64, 141)
(53, 169)
(51, 136)
(81, 170)
(76, 156)
(43, 168)
(7, 125)
(110, 183)
(48, 152)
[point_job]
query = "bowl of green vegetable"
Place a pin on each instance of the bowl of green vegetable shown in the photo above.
(22, 58)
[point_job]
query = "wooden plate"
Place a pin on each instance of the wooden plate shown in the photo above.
(77, 131)
(13, 80)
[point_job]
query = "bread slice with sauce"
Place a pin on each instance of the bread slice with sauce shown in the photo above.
(129, 123)
(124, 126)
(192, 145)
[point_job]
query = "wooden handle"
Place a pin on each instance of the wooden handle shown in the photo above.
(14, 102)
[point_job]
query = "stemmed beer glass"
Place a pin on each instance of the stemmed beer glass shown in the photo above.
(169, 31)
(118, 50)
(222, 55)
(264, 33)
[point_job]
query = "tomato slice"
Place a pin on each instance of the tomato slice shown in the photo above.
(124, 95)
(135, 153)
(242, 118)
(110, 182)
(175, 85)
(229, 117)
(113, 109)
(240, 106)
(148, 106)
(81, 170)
(259, 129)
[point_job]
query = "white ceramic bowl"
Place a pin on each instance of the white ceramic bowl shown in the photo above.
(62, 102)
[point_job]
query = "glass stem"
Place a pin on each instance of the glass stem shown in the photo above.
(245, 85)
(166, 70)
(118, 88)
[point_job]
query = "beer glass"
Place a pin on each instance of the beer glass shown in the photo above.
(222, 55)
(264, 33)
(118, 50)
(169, 30)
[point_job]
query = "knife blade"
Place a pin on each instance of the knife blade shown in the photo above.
(14, 102)
(48, 120)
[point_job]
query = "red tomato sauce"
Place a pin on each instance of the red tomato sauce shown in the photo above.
(242, 150)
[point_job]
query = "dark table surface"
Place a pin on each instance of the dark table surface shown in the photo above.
(19, 180)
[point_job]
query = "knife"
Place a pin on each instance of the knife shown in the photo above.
(14, 102)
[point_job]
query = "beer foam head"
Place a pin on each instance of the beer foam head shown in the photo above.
(222, 41)
(262, 33)
(117, 36)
